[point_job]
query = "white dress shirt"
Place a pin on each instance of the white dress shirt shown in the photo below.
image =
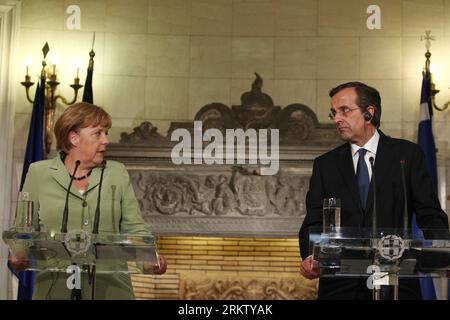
(371, 146)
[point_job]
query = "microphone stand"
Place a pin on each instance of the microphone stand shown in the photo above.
(75, 293)
(95, 231)
(97, 210)
(374, 209)
(66, 205)
(376, 292)
(405, 198)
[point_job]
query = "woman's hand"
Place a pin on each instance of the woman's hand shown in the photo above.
(308, 269)
(17, 263)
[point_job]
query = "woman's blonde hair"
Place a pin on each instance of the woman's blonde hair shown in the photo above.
(78, 116)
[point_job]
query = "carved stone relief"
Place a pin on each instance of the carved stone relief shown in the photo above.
(297, 123)
(145, 133)
(221, 203)
(233, 195)
(241, 289)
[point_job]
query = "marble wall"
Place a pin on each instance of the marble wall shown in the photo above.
(162, 60)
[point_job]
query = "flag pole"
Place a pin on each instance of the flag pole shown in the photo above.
(88, 95)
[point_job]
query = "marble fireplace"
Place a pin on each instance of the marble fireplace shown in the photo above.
(227, 231)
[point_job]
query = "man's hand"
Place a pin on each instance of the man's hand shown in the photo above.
(308, 270)
(156, 268)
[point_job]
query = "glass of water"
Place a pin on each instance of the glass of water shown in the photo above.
(24, 213)
(331, 226)
(331, 215)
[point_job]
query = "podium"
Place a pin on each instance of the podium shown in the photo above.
(79, 251)
(383, 256)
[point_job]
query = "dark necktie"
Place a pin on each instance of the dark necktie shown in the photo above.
(362, 175)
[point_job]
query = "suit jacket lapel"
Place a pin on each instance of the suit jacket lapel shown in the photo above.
(60, 174)
(345, 167)
(94, 179)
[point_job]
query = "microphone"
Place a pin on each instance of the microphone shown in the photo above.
(405, 211)
(97, 210)
(374, 189)
(66, 205)
(93, 272)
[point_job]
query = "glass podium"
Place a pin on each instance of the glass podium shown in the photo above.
(92, 253)
(382, 256)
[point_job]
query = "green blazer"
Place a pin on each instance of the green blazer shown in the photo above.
(47, 183)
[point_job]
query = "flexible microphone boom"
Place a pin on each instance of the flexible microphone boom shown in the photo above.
(374, 189)
(66, 205)
(405, 198)
(97, 210)
(95, 231)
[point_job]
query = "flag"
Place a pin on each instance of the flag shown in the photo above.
(34, 152)
(426, 141)
(88, 95)
(35, 143)
(425, 136)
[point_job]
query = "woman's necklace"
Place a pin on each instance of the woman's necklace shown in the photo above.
(81, 178)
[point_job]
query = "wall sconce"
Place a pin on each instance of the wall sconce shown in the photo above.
(433, 91)
(50, 72)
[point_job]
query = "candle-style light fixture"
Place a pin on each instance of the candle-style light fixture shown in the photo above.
(428, 38)
(50, 72)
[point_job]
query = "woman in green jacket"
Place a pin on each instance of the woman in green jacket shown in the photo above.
(81, 135)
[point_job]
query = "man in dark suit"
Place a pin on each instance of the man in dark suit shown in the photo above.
(345, 173)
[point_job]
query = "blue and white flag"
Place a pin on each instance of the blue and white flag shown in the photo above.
(426, 141)
(34, 152)
(425, 136)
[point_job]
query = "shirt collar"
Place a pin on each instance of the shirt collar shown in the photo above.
(371, 145)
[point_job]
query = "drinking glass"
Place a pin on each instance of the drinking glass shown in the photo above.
(24, 212)
(331, 214)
